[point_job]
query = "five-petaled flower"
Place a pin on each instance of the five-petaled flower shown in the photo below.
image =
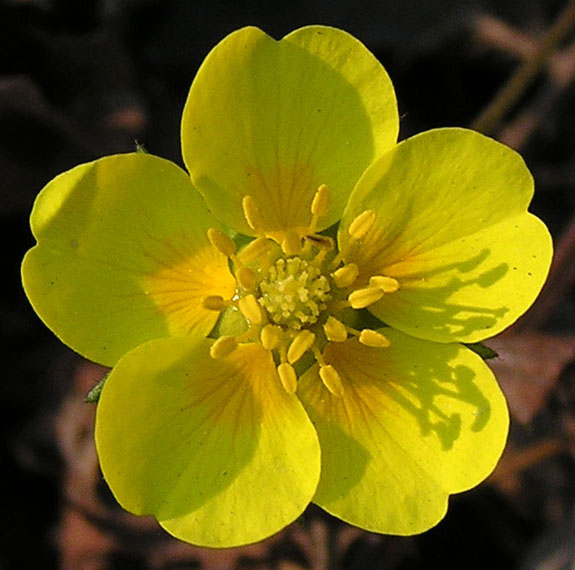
(263, 356)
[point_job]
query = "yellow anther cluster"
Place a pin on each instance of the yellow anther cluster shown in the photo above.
(294, 293)
(285, 286)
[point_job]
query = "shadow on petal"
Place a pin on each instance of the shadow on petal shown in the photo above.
(418, 421)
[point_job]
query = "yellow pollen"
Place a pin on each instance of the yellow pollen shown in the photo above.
(346, 275)
(214, 303)
(361, 224)
(223, 346)
(373, 339)
(300, 345)
(222, 242)
(386, 284)
(331, 379)
(288, 377)
(252, 213)
(335, 330)
(294, 293)
(271, 336)
(291, 244)
(245, 277)
(254, 249)
(250, 309)
(362, 298)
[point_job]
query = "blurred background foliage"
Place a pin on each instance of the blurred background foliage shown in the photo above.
(82, 79)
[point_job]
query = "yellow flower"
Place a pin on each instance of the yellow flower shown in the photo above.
(298, 361)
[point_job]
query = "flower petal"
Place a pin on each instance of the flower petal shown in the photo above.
(417, 421)
(452, 227)
(216, 450)
(275, 120)
(122, 256)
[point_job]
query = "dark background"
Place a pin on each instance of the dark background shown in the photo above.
(80, 79)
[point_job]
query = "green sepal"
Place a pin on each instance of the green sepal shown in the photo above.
(141, 149)
(484, 351)
(93, 395)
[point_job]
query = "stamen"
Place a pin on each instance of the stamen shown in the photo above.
(254, 249)
(361, 224)
(328, 374)
(302, 342)
(251, 309)
(319, 258)
(320, 202)
(214, 303)
(331, 379)
(386, 284)
(346, 275)
(252, 213)
(291, 244)
(321, 242)
(222, 242)
(319, 206)
(245, 277)
(335, 330)
(362, 298)
(271, 336)
(373, 339)
(223, 346)
(288, 377)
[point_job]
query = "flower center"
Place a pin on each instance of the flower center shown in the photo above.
(294, 297)
(294, 293)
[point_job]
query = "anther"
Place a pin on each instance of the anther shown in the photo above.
(346, 275)
(321, 242)
(320, 202)
(222, 242)
(335, 330)
(361, 224)
(252, 213)
(302, 342)
(373, 339)
(250, 309)
(223, 346)
(214, 303)
(331, 379)
(288, 377)
(386, 284)
(362, 298)
(271, 336)
(291, 244)
(319, 206)
(245, 277)
(254, 249)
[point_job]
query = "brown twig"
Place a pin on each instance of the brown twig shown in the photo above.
(491, 117)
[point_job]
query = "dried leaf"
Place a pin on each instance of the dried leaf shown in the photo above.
(528, 367)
